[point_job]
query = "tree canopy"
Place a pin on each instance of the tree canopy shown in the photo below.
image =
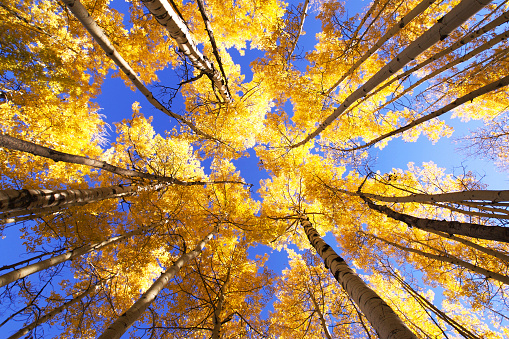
(157, 233)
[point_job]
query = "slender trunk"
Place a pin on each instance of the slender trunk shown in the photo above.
(69, 255)
(425, 303)
(453, 197)
(100, 37)
(484, 206)
(166, 16)
(459, 101)
(26, 199)
(470, 213)
(29, 147)
(22, 215)
(383, 319)
(449, 259)
(502, 19)
(489, 251)
(25, 330)
(210, 33)
(496, 233)
(303, 16)
(216, 320)
(484, 47)
(26, 261)
(125, 321)
(389, 34)
(458, 198)
(320, 315)
(439, 31)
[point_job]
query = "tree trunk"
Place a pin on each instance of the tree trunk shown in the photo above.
(458, 198)
(69, 255)
(26, 261)
(383, 319)
(97, 33)
(466, 98)
(216, 320)
(166, 16)
(439, 31)
(25, 330)
(125, 321)
(484, 47)
(389, 34)
(210, 33)
(489, 251)
(13, 200)
(448, 259)
(496, 233)
(29, 147)
(470, 213)
(320, 315)
(303, 16)
(426, 304)
(502, 19)
(453, 197)
(22, 215)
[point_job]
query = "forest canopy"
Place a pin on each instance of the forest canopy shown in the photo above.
(144, 226)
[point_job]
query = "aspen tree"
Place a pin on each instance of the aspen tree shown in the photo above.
(496, 233)
(383, 319)
(489, 251)
(13, 200)
(459, 14)
(320, 315)
(426, 303)
(450, 259)
(100, 37)
(216, 318)
(503, 18)
(29, 147)
(303, 16)
(127, 319)
(51, 73)
(166, 16)
(421, 7)
(25, 330)
(459, 101)
(69, 255)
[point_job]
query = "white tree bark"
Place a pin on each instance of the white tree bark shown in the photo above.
(69, 255)
(22, 215)
(421, 7)
(27, 199)
(383, 319)
(303, 16)
(25, 330)
(97, 33)
(453, 197)
(484, 47)
(166, 16)
(439, 31)
(126, 320)
(459, 43)
(449, 259)
(489, 251)
(426, 304)
(502, 19)
(325, 328)
(496, 233)
(46, 152)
